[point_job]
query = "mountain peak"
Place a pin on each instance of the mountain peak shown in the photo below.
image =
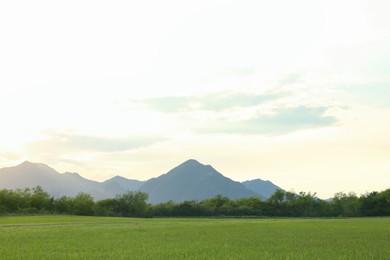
(192, 166)
(191, 162)
(192, 180)
(264, 188)
(258, 180)
(117, 177)
(28, 164)
(71, 174)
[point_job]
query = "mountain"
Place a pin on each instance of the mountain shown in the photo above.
(78, 183)
(30, 175)
(264, 188)
(192, 180)
(120, 183)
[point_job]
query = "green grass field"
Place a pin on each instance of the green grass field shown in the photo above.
(73, 237)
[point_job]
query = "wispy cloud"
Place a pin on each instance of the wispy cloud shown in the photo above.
(290, 79)
(237, 72)
(169, 104)
(106, 144)
(281, 122)
(210, 102)
(373, 93)
(77, 142)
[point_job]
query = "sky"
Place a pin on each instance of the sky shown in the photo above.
(295, 92)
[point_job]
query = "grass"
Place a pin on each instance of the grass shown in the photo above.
(73, 237)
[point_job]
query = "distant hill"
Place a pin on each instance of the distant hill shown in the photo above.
(264, 188)
(119, 182)
(30, 175)
(192, 180)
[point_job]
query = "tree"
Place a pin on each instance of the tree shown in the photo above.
(83, 204)
(105, 207)
(277, 197)
(251, 206)
(346, 205)
(188, 208)
(277, 203)
(308, 205)
(40, 199)
(132, 204)
(218, 205)
(63, 205)
(375, 203)
(165, 209)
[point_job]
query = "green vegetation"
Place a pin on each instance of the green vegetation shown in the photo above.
(75, 237)
(134, 204)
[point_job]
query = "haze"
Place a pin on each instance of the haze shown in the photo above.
(296, 92)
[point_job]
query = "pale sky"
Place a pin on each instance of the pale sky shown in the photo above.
(295, 92)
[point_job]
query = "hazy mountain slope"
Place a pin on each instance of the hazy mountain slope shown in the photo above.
(193, 181)
(190, 180)
(264, 188)
(123, 183)
(96, 189)
(30, 175)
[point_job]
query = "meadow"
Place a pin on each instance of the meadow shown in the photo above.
(75, 237)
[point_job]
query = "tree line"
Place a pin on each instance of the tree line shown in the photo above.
(134, 204)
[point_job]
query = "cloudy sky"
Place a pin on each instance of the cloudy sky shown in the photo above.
(296, 92)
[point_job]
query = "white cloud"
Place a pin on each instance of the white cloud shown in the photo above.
(282, 121)
(76, 66)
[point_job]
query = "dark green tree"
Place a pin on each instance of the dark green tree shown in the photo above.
(105, 207)
(346, 205)
(63, 205)
(83, 204)
(218, 205)
(132, 204)
(40, 199)
(375, 203)
(165, 209)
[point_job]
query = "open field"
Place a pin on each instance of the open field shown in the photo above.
(73, 237)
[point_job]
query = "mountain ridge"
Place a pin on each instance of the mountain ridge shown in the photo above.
(261, 187)
(190, 180)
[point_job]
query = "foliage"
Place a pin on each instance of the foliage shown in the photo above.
(83, 204)
(376, 204)
(38, 201)
(25, 201)
(134, 204)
